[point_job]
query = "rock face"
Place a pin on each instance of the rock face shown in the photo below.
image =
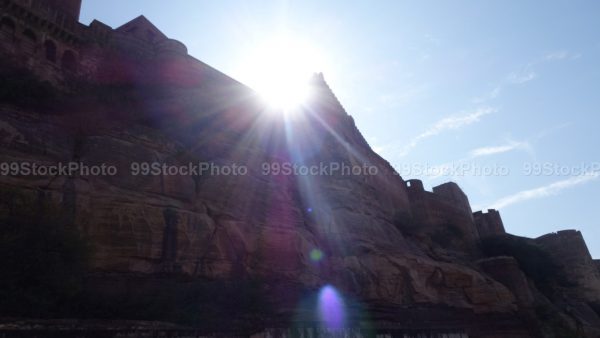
(506, 270)
(297, 202)
(227, 226)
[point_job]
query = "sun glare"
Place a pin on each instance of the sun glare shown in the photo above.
(280, 71)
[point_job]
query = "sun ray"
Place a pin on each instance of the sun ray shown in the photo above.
(280, 70)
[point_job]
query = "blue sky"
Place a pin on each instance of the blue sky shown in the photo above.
(501, 95)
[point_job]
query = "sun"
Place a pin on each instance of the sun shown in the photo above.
(280, 70)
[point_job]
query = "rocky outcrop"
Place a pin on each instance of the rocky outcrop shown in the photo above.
(506, 270)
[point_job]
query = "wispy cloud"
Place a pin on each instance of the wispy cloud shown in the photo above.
(433, 39)
(526, 74)
(493, 150)
(494, 93)
(455, 122)
(444, 168)
(562, 55)
(547, 190)
(552, 130)
(526, 145)
(521, 77)
(448, 123)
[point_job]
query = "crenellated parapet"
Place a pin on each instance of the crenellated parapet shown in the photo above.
(448, 194)
(569, 243)
(489, 223)
(415, 186)
(443, 213)
(452, 192)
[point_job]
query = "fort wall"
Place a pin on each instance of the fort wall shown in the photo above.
(569, 250)
(489, 223)
(69, 8)
(444, 212)
(45, 37)
(452, 192)
(40, 37)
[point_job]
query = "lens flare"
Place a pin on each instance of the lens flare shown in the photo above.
(331, 308)
(316, 255)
